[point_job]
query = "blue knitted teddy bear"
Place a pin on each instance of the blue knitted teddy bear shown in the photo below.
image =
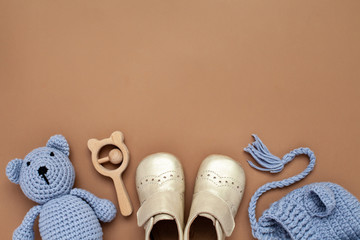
(47, 176)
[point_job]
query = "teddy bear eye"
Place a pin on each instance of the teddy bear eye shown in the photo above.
(27, 163)
(52, 154)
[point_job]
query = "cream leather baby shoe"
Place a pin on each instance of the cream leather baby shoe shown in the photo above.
(217, 195)
(160, 186)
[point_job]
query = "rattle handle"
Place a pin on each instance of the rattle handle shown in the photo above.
(122, 196)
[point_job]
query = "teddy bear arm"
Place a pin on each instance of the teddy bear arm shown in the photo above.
(104, 209)
(26, 230)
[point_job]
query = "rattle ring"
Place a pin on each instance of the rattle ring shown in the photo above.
(119, 155)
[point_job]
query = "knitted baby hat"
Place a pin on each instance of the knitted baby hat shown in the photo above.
(316, 211)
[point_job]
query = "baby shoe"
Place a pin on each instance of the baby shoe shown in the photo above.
(160, 187)
(217, 195)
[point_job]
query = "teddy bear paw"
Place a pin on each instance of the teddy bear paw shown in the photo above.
(21, 234)
(106, 210)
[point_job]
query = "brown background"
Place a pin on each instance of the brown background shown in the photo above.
(186, 77)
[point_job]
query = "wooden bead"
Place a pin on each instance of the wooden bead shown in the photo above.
(115, 156)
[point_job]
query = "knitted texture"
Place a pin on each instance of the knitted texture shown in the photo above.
(46, 176)
(316, 211)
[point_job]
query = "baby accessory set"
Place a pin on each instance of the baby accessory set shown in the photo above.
(322, 210)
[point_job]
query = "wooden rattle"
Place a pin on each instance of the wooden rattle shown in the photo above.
(116, 156)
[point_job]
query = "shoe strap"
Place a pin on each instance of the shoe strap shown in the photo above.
(167, 202)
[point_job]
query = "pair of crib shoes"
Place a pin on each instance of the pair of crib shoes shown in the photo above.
(217, 195)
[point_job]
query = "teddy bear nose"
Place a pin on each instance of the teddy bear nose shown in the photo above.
(42, 170)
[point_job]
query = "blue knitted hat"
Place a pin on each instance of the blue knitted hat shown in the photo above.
(316, 211)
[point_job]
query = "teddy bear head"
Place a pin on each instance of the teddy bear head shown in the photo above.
(46, 172)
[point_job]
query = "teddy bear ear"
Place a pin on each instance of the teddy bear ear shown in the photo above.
(92, 144)
(13, 170)
(59, 142)
(118, 135)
